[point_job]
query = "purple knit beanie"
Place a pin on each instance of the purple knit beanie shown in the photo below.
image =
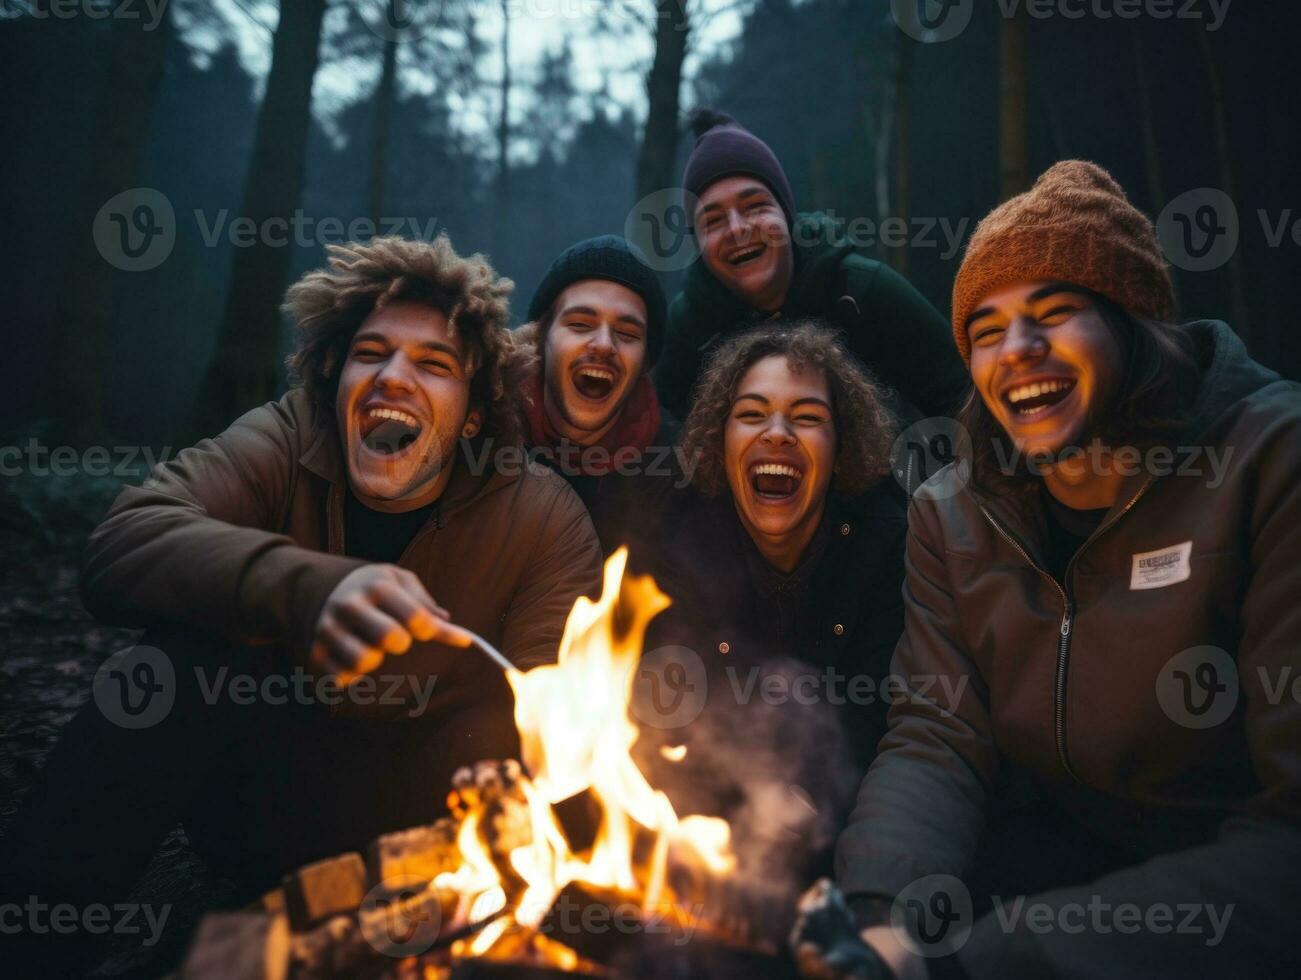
(725, 148)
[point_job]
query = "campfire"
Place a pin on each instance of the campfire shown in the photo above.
(567, 861)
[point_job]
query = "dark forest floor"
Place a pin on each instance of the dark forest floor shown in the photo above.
(50, 648)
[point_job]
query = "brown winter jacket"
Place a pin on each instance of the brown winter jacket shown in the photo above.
(1074, 683)
(242, 536)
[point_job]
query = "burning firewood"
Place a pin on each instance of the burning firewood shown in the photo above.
(325, 888)
(419, 853)
(239, 946)
(578, 864)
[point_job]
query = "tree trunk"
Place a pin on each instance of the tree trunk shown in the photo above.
(1220, 127)
(1014, 157)
(502, 210)
(903, 139)
(385, 94)
(244, 366)
(133, 66)
(659, 145)
(1147, 128)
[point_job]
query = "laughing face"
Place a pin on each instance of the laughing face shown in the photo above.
(594, 354)
(1045, 363)
(745, 241)
(779, 450)
(403, 401)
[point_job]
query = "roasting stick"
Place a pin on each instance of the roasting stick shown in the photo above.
(468, 638)
(495, 655)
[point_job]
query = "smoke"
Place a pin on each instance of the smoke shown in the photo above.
(782, 771)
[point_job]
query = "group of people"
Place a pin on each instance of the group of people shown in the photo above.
(1089, 639)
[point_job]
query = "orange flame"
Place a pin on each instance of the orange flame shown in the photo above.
(576, 737)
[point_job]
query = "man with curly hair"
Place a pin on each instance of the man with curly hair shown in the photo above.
(784, 566)
(308, 576)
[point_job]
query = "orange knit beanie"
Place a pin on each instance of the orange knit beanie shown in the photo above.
(1075, 225)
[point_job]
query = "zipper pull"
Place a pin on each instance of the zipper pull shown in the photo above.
(1066, 621)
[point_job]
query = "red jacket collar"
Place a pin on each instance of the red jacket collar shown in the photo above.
(639, 421)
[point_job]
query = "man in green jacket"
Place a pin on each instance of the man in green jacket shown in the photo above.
(759, 259)
(307, 577)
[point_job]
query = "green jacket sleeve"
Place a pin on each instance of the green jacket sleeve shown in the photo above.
(904, 338)
(679, 361)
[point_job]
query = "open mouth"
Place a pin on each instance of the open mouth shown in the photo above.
(387, 431)
(1030, 400)
(594, 383)
(746, 255)
(775, 481)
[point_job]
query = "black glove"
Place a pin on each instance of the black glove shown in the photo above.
(825, 942)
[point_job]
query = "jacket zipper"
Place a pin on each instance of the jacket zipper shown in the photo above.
(1063, 644)
(1068, 619)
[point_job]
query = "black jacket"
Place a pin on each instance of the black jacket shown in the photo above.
(792, 666)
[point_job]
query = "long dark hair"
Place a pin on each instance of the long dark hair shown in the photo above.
(1152, 402)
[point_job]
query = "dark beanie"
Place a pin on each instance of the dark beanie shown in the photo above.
(725, 148)
(613, 258)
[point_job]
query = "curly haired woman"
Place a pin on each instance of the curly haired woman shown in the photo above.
(784, 567)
